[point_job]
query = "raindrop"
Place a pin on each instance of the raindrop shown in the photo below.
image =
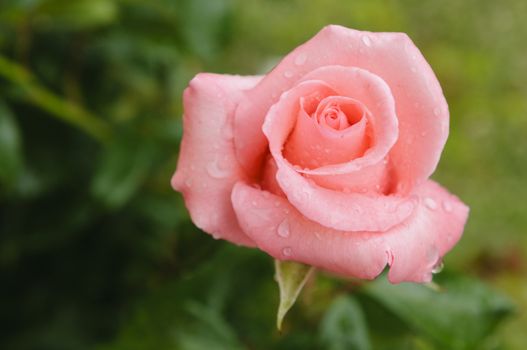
(413, 69)
(366, 40)
(438, 267)
(287, 251)
(447, 206)
(300, 59)
(283, 229)
(437, 111)
(216, 235)
(188, 182)
(404, 209)
(318, 236)
(430, 203)
(288, 74)
(217, 170)
(389, 257)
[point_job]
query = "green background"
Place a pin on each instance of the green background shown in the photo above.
(96, 250)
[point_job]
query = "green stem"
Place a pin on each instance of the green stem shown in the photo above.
(53, 104)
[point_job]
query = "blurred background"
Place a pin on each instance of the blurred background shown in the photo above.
(97, 251)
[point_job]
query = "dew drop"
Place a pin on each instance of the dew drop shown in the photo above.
(413, 69)
(300, 59)
(287, 251)
(216, 235)
(366, 40)
(254, 203)
(447, 206)
(266, 194)
(283, 229)
(277, 204)
(430, 203)
(389, 257)
(318, 236)
(288, 74)
(423, 134)
(438, 267)
(217, 170)
(188, 182)
(437, 111)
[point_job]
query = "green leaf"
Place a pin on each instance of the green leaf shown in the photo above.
(123, 168)
(10, 147)
(291, 277)
(456, 317)
(343, 326)
(77, 15)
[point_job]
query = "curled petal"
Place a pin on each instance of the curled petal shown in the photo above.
(412, 249)
(420, 105)
(207, 167)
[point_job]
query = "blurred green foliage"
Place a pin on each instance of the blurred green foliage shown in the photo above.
(96, 251)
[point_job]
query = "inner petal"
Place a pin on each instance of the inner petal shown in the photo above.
(336, 132)
(339, 113)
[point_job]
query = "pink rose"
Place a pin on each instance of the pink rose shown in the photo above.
(325, 160)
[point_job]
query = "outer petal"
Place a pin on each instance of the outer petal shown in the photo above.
(420, 105)
(207, 167)
(412, 249)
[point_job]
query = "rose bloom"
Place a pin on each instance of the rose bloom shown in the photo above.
(326, 159)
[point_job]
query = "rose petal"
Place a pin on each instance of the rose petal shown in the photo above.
(421, 108)
(311, 146)
(411, 248)
(207, 167)
(342, 211)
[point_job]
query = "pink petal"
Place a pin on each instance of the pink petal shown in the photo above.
(207, 167)
(421, 108)
(339, 210)
(412, 249)
(311, 145)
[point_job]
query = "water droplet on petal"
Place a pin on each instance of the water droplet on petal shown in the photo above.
(366, 40)
(318, 236)
(277, 204)
(283, 229)
(413, 69)
(300, 59)
(287, 251)
(430, 203)
(218, 170)
(254, 203)
(438, 267)
(389, 257)
(188, 183)
(216, 235)
(437, 111)
(447, 206)
(288, 74)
